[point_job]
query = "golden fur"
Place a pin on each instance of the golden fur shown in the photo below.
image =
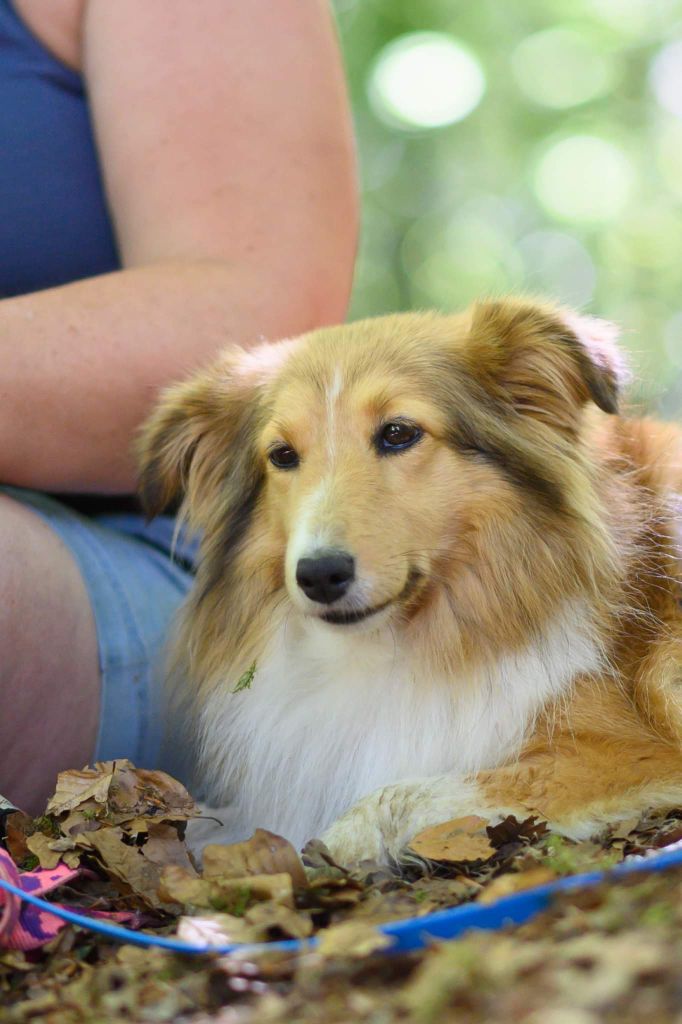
(526, 495)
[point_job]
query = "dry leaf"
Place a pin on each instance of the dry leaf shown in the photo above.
(177, 885)
(17, 827)
(263, 887)
(316, 856)
(461, 839)
(141, 793)
(126, 864)
(215, 930)
(263, 854)
(121, 792)
(226, 892)
(71, 858)
(40, 846)
(82, 820)
(507, 885)
(15, 960)
(352, 938)
(511, 830)
(273, 920)
(164, 847)
(77, 787)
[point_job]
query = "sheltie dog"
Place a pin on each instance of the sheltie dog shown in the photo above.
(439, 575)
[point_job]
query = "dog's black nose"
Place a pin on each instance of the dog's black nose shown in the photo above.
(326, 577)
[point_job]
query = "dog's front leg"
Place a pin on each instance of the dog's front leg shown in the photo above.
(382, 823)
(575, 784)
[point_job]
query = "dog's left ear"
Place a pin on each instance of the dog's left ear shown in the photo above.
(198, 441)
(545, 362)
(197, 450)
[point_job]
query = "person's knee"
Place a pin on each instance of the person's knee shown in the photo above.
(41, 593)
(49, 671)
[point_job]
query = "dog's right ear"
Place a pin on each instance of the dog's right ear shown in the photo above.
(197, 447)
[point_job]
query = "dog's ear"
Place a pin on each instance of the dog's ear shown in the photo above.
(545, 362)
(197, 437)
(197, 447)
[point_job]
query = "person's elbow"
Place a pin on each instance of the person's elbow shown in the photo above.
(313, 274)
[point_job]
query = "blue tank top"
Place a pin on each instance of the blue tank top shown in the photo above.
(54, 223)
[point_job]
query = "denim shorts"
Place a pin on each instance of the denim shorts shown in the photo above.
(135, 585)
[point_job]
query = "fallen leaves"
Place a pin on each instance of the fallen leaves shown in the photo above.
(351, 938)
(462, 839)
(126, 827)
(48, 851)
(229, 894)
(262, 922)
(507, 885)
(125, 821)
(263, 854)
(76, 789)
(118, 792)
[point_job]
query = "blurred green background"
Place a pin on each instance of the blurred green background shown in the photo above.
(530, 146)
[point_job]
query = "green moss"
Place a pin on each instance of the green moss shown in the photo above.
(48, 825)
(569, 858)
(235, 902)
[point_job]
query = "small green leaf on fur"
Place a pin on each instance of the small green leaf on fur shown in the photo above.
(244, 682)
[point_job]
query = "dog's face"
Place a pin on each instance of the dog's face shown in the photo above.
(361, 483)
(375, 467)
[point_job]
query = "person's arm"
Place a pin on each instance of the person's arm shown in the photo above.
(224, 137)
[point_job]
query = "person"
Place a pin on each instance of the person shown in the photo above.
(175, 177)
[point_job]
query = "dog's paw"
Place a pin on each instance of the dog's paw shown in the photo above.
(356, 836)
(381, 824)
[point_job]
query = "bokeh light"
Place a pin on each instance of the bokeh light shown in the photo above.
(672, 335)
(558, 265)
(669, 155)
(584, 178)
(648, 236)
(638, 18)
(666, 78)
(425, 80)
(532, 147)
(452, 262)
(561, 68)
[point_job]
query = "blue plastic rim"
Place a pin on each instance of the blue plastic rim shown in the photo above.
(408, 935)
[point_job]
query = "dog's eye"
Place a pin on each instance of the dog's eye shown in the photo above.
(283, 457)
(395, 437)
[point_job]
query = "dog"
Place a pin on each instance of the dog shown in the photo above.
(439, 576)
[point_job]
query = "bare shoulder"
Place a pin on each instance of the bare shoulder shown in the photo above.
(57, 25)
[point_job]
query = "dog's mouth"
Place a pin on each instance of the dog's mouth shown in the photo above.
(351, 616)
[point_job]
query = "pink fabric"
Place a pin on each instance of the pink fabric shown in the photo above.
(25, 927)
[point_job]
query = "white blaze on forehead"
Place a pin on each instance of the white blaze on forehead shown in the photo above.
(333, 393)
(314, 530)
(309, 535)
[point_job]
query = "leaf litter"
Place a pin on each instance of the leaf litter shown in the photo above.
(612, 952)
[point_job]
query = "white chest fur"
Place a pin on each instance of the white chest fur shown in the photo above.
(329, 718)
